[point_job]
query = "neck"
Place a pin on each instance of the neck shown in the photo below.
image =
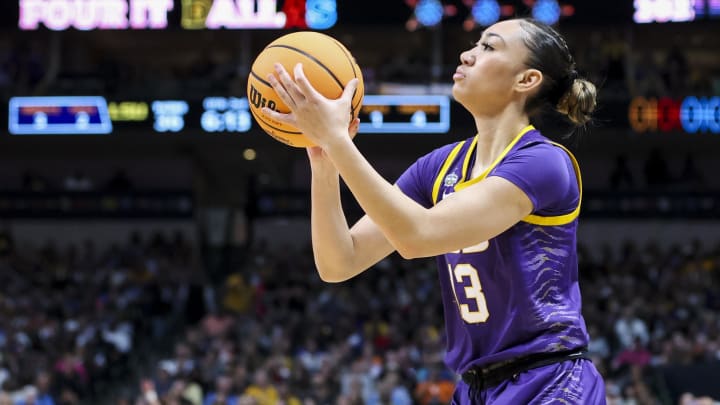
(494, 134)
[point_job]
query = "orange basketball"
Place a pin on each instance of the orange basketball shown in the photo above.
(328, 65)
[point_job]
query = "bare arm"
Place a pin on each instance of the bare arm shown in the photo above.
(340, 253)
(478, 213)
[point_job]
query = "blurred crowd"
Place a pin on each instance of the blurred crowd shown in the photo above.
(75, 321)
(76, 324)
(278, 335)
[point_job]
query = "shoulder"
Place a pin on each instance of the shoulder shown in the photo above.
(545, 172)
(540, 149)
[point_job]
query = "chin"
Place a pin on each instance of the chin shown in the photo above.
(460, 96)
(457, 94)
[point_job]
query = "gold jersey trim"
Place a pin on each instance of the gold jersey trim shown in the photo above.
(484, 174)
(565, 218)
(448, 162)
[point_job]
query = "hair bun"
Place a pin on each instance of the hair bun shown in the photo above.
(579, 101)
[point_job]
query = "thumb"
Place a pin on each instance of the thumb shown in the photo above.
(349, 90)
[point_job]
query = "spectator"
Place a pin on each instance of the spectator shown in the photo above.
(676, 71)
(285, 397)
(261, 389)
(119, 182)
(621, 176)
(691, 177)
(32, 181)
(635, 356)
(223, 393)
(629, 327)
(657, 174)
(435, 390)
(690, 399)
(78, 181)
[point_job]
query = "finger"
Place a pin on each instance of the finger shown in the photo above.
(303, 83)
(281, 91)
(350, 88)
(278, 116)
(287, 81)
(354, 127)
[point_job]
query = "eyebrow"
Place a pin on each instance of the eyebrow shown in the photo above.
(492, 34)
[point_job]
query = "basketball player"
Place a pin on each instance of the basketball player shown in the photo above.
(499, 210)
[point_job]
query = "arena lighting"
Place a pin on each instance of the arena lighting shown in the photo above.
(429, 12)
(691, 115)
(547, 11)
(486, 12)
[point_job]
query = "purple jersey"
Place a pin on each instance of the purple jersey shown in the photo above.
(518, 293)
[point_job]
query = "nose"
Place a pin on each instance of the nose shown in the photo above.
(466, 58)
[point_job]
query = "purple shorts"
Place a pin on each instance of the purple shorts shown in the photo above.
(565, 383)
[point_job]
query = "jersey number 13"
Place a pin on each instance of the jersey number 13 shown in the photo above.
(473, 291)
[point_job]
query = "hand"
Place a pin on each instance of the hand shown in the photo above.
(146, 385)
(318, 156)
(321, 119)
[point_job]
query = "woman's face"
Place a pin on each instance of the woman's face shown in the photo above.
(485, 79)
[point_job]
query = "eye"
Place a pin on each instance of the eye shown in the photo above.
(486, 47)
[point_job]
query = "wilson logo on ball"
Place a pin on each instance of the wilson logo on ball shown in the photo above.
(259, 101)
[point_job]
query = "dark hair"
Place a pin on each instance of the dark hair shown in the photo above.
(562, 89)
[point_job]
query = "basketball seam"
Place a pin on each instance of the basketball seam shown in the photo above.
(314, 59)
(347, 55)
(257, 117)
(352, 66)
(260, 79)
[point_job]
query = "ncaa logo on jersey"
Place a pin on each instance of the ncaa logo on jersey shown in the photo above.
(450, 180)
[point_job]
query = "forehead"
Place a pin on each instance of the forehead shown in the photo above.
(509, 30)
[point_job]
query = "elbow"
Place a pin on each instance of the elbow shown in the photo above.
(409, 252)
(328, 275)
(411, 248)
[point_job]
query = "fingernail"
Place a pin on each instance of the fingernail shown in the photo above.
(278, 66)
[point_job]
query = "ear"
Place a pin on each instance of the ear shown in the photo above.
(528, 80)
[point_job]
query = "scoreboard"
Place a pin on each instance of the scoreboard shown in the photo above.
(58, 115)
(405, 114)
(95, 115)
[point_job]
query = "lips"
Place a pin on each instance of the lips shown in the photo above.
(458, 75)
